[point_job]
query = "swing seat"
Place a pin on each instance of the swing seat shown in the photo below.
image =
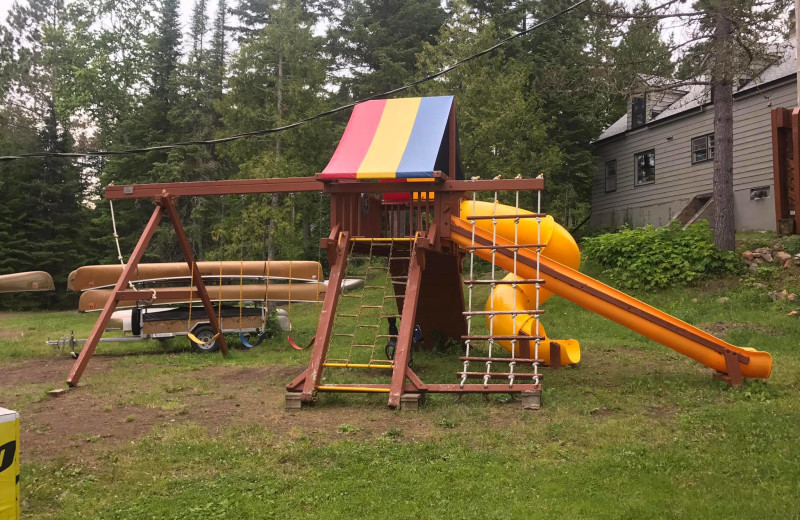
(200, 342)
(256, 343)
(298, 347)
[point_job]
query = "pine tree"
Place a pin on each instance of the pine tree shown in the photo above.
(277, 76)
(377, 41)
(641, 51)
(729, 40)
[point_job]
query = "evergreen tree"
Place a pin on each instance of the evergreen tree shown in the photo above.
(277, 76)
(377, 42)
(641, 51)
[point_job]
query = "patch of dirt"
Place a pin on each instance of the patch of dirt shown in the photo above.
(666, 412)
(48, 370)
(257, 395)
(11, 334)
(80, 427)
(721, 328)
(236, 376)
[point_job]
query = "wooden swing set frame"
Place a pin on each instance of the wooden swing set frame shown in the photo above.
(433, 296)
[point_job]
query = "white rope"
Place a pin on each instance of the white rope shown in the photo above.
(116, 240)
(513, 364)
(492, 287)
(538, 285)
(468, 342)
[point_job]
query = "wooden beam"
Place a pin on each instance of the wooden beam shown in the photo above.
(167, 203)
(102, 321)
(326, 319)
(436, 186)
(796, 166)
(406, 333)
(229, 187)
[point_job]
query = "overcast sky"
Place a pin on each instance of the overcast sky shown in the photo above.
(186, 9)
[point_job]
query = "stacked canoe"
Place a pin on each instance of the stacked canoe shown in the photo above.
(26, 282)
(230, 281)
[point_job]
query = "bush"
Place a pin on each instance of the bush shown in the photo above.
(650, 258)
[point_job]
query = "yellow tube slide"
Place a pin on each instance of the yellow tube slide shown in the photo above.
(559, 262)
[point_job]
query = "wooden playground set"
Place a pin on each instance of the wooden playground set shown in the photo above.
(405, 221)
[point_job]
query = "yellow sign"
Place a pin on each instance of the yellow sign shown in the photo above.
(9, 465)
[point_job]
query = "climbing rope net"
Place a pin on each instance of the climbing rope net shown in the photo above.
(358, 339)
(517, 339)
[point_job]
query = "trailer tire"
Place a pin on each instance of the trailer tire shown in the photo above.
(204, 333)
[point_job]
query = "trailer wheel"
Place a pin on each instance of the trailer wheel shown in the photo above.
(205, 334)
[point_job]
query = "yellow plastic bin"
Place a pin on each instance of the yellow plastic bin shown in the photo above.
(9, 465)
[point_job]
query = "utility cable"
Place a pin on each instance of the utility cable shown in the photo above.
(256, 133)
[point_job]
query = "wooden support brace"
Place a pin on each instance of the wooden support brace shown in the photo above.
(404, 338)
(169, 205)
(105, 316)
(555, 355)
(313, 375)
(734, 371)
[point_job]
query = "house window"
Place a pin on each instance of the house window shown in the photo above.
(703, 148)
(638, 112)
(762, 192)
(644, 167)
(611, 176)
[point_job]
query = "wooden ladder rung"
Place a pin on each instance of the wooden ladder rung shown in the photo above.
(341, 388)
(386, 336)
(502, 313)
(362, 326)
(530, 281)
(372, 306)
(498, 246)
(501, 360)
(348, 315)
(342, 335)
(363, 346)
(498, 375)
(506, 217)
(509, 337)
(333, 364)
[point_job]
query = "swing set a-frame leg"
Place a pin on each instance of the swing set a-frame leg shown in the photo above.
(183, 241)
(339, 245)
(407, 321)
(105, 316)
(164, 204)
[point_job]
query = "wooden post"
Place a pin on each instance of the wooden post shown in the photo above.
(326, 318)
(406, 333)
(166, 201)
(779, 117)
(796, 167)
(105, 316)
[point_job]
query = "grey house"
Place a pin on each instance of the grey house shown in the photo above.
(655, 163)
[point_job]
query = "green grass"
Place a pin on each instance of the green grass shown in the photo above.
(634, 431)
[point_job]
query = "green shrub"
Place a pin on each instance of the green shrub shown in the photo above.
(656, 258)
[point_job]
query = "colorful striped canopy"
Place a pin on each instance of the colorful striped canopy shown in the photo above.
(393, 139)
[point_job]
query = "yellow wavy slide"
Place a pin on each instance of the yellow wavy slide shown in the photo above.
(560, 259)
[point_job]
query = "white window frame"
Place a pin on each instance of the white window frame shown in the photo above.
(636, 156)
(708, 142)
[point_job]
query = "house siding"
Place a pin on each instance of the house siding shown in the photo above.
(677, 179)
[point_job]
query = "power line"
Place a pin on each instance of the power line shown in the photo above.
(256, 133)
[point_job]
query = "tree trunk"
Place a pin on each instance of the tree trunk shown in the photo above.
(722, 92)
